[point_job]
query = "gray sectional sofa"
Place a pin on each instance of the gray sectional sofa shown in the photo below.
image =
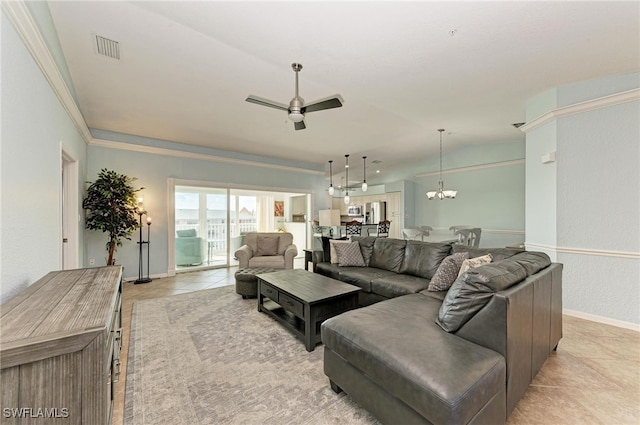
(466, 355)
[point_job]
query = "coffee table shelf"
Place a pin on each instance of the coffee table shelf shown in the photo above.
(301, 301)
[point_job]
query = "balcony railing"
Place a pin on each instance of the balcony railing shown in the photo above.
(216, 236)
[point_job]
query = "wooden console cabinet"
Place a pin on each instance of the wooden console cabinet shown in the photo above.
(59, 348)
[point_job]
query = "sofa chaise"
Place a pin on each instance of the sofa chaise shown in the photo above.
(463, 355)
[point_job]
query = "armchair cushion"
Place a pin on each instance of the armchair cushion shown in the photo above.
(268, 245)
(258, 244)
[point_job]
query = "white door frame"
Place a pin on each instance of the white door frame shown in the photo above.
(69, 211)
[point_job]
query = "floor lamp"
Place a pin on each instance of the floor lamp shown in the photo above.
(141, 243)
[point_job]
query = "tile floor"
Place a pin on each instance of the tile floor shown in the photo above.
(593, 378)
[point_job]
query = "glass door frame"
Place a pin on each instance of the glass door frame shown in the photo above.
(171, 219)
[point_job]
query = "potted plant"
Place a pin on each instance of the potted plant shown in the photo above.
(111, 204)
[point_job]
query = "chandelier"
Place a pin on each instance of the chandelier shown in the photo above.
(345, 188)
(441, 193)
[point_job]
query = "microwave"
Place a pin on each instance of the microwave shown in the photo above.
(354, 210)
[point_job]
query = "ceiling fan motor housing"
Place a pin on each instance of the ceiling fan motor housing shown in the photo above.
(296, 109)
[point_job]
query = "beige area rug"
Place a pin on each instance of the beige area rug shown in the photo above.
(209, 357)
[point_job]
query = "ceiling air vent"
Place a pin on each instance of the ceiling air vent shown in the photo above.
(108, 48)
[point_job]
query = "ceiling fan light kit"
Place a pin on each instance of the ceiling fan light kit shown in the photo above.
(441, 193)
(297, 108)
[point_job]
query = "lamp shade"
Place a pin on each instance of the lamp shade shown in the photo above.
(329, 218)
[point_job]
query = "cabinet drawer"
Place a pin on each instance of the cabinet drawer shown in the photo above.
(269, 292)
(294, 306)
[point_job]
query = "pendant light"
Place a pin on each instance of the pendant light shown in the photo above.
(346, 186)
(331, 189)
(441, 193)
(364, 174)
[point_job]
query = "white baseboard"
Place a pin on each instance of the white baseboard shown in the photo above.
(602, 319)
(153, 276)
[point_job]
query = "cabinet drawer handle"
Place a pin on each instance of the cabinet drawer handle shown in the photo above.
(116, 375)
(289, 303)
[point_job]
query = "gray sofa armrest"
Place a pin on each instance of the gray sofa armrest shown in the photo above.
(243, 255)
(289, 254)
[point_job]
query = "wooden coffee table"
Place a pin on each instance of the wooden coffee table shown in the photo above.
(302, 300)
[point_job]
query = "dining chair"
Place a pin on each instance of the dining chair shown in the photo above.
(413, 233)
(353, 228)
(469, 237)
(426, 230)
(382, 229)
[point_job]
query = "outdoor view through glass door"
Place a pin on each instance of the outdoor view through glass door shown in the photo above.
(210, 223)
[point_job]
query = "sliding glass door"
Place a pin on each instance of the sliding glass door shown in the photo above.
(201, 217)
(210, 222)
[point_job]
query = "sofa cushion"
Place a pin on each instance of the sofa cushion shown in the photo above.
(397, 344)
(366, 246)
(423, 258)
(329, 270)
(398, 284)
(474, 262)
(436, 295)
(500, 275)
(267, 245)
(349, 254)
(362, 276)
(532, 261)
(473, 289)
(497, 253)
(447, 272)
(388, 254)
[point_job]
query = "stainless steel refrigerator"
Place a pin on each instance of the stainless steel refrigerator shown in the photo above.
(375, 212)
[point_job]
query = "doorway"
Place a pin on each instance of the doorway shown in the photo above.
(69, 212)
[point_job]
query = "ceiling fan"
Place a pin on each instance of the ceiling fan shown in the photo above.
(297, 107)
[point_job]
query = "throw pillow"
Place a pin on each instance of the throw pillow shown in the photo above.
(349, 254)
(474, 262)
(447, 272)
(268, 245)
(465, 298)
(332, 245)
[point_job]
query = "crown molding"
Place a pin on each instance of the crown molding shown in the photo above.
(473, 168)
(109, 144)
(578, 108)
(19, 15)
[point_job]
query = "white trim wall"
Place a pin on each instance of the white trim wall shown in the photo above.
(583, 201)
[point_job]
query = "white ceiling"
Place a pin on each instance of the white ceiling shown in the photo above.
(404, 69)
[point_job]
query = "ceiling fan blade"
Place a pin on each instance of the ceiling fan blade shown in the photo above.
(299, 125)
(330, 102)
(266, 102)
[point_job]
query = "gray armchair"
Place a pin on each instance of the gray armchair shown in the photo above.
(267, 249)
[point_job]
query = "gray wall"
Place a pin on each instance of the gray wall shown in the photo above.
(161, 160)
(490, 181)
(584, 209)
